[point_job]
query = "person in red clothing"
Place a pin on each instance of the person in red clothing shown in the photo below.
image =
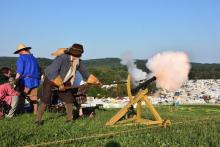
(8, 96)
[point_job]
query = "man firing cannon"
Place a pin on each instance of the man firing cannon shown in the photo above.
(60, 74)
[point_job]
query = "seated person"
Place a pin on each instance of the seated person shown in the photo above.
(8, 96)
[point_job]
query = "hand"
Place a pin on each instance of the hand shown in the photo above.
(93, 80)
(58, 80)
(62, 87)
(98, 83)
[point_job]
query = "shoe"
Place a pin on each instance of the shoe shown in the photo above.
(81, 116)
(91, 115)
(39, 123)
(69, 121)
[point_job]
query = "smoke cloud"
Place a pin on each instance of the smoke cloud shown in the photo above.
(136, 74)
(170, 68)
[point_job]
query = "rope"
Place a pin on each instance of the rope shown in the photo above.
(110, 134)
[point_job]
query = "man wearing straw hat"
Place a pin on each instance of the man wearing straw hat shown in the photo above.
(61, 73)
(28, 75)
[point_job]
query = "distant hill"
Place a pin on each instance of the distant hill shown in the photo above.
(110, 69)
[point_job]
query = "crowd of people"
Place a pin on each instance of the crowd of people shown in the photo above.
(64, 75)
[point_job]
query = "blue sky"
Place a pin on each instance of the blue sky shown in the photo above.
(110, 28)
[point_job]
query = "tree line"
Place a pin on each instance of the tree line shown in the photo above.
(109, 70)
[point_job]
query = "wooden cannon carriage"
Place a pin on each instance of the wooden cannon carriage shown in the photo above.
(141, 96)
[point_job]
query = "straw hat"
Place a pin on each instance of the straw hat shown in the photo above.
(21, 47)
(58, 52)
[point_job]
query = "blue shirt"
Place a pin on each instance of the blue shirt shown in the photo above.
(28, 68)
(78, 79)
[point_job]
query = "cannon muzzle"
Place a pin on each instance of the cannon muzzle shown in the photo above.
(143, 85)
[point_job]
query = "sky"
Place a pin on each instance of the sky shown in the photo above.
(108, 28)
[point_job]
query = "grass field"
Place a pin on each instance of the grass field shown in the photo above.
(191, 126)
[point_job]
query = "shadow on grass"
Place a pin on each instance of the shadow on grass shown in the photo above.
(112, 144)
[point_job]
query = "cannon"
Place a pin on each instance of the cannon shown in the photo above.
(143, 85)
(140, 93)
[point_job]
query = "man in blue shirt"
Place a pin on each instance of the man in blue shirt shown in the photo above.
(28, 74)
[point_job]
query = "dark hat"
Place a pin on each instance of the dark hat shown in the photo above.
(75, 50)
(21, 47)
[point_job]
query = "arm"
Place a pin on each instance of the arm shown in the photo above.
(17, 76)
(53, 73)
(53, 70)
(20, 68)
(90, 79)
(10, 90)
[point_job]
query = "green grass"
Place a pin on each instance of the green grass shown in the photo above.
(21, 130)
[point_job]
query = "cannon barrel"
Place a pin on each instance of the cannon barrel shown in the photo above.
(143, 85)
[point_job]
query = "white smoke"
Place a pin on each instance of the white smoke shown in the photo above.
(136, 74)
(170, 68)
